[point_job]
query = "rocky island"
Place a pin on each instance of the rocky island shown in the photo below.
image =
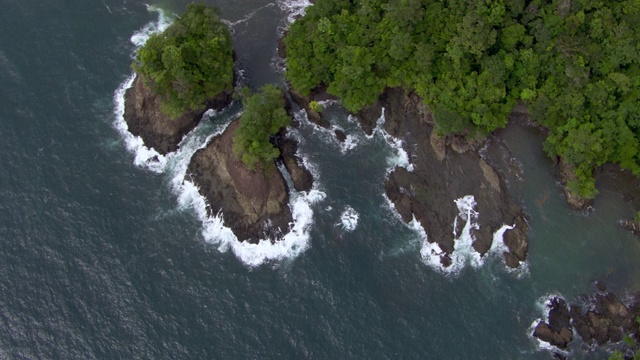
(249, 191)
(188, 69)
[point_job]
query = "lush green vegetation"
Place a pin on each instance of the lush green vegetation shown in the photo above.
(263, 117)
(574, 63)
(190, 62)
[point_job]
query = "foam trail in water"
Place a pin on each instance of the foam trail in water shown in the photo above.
(294, 8)
(145, 157)
(141, 36)
(349, 219)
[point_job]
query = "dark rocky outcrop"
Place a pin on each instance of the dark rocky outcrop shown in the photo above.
(607, 320)
(319, 94)
(557, 330)
(144, 118)
(602, 319)
(300, 176)
(254, 203)
(445, 169)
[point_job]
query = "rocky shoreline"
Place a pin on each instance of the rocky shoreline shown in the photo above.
(157, 130)
(600, 319)
(253, 203)
(443, 167)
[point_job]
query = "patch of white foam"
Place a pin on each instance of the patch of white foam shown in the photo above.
(141, 36)
(349, 219)
(498, 247)
(145, 157)
(294, 8)
(463, 251)
(290, 246)
(399, 157)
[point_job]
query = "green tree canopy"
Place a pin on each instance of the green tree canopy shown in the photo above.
(188, 63)
(263, 117)
(575, 63)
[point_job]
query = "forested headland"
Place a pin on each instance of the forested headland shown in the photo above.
(574, 63)
(188, 63)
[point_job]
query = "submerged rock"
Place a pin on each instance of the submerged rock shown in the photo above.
(157, 130)
(442, 176)
(253, 203)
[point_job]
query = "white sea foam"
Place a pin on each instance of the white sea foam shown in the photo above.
(141, 36)
(145, 157)
(399, 157)
(349, 219)
(463, 251)
(294, 8)
(175, 165)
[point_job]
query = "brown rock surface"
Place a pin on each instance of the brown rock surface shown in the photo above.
(144, 118)
(254, 203)
(440, 177)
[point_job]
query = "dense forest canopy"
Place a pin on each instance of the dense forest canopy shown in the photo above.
(190, 62)
(263, 116)
(574, 63)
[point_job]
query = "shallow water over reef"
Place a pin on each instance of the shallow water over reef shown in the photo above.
(99, 258)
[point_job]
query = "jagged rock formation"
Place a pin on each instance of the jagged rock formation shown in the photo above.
(445, 169)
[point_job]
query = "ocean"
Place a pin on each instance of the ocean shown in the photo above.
(106, 253)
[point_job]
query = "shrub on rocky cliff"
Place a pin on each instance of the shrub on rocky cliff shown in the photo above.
(188, 63)
(263, 116)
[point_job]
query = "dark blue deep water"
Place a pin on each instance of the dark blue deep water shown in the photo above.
(101, 259)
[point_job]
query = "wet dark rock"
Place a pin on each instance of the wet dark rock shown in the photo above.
(557, 331)
(319, 94)
(340, 135)
(144, 118)
(441, 176)
(607, 321)
(254, 203)
(300, 176)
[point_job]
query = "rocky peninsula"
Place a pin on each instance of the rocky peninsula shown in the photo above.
(445, 169)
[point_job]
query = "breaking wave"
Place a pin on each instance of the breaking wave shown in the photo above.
(293, 8)
(349, 219)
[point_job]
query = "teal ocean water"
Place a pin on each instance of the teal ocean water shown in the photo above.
(106, 254)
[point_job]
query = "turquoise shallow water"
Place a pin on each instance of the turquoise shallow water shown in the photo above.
(99, 260)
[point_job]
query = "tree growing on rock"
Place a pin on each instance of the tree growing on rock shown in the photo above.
(188, 63)
(263, 117)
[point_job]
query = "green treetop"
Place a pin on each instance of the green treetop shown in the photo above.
(188, 63)
(263, 117)
(575, 63)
